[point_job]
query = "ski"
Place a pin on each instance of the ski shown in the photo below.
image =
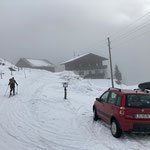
(12, 95)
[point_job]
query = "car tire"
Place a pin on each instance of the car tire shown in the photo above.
(115, 130)
(95, 116)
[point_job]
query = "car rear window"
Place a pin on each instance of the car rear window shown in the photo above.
(138, 101)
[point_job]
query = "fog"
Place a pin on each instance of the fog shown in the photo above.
(59, 29)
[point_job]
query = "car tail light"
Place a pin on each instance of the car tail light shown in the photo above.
(122, 108)
(122, 111)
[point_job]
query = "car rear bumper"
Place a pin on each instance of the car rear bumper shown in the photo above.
(135, 125)
(141, 128)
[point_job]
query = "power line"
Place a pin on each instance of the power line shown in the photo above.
(138, 28)
(137, 36)
(130, 25)
(130, 30)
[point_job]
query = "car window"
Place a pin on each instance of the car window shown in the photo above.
(138, 101)
(112, 98)
(119, 100)
(104, 97)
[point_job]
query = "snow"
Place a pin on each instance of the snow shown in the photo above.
(38, 118)
(77, 57)
(4, 69)
(39, 63)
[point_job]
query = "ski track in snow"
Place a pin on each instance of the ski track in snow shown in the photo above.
(38, 118)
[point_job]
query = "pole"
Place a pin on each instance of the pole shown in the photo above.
(24, 73)
(17, 90)
(65, 93)
(1, 74)
(111, 71)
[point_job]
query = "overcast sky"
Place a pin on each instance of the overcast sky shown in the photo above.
(58, 29)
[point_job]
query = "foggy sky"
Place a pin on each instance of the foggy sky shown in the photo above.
(58, 29)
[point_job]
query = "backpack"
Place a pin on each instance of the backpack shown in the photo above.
(11, 81)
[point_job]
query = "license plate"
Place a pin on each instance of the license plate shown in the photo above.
(144, 116)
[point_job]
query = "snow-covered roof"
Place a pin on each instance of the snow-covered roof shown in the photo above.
(73, 59)
(39, 63)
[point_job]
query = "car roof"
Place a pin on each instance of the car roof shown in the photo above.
(128, 91)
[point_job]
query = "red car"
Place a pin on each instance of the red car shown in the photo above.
(124, 110)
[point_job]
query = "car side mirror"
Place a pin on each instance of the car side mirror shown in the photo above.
(98, 99)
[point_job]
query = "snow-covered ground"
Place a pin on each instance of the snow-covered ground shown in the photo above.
(38, 118)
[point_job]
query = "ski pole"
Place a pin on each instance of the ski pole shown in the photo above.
(17, 90)
(6, 90)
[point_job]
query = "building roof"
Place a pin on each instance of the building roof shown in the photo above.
(38, 62)
(78, 57)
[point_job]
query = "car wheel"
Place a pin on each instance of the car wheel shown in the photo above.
(115, 130)
(95, 117)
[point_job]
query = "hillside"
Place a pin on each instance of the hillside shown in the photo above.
(38, 118)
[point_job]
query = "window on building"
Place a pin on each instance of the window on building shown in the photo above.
(80, 65)
(90, 72)
(96, 71)
(81, 73)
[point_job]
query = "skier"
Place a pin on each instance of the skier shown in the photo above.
(12, 83)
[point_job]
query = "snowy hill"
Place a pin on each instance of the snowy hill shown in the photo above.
(38, 118)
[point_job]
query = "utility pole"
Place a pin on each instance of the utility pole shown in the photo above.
(111, 71)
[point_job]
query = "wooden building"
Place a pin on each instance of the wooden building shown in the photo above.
(36, 64)
(87, 66)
